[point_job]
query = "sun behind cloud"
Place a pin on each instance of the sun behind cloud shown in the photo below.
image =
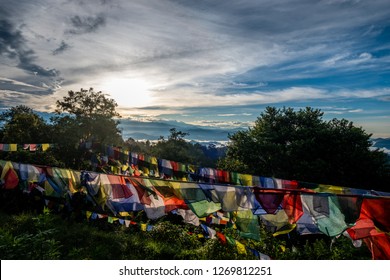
(128, 92)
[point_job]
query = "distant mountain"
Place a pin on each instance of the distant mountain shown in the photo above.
(382, 143)
(152, 130)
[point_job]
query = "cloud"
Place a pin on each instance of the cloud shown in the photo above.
(378, 94)
(355, 111)
(86, 24)
(36, 78)
(361, 58)
(385, 98)
(340, 110)
(194, 54)
(14, 46)
(12, 98)
(330, 62)
(62, 47)
(188, 99)
(221, 124)
(8, 84)
(232, 115)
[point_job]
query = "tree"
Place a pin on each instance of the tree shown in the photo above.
(93, 114)
(176, 148)
(87, 103)
(22, 125)
(300, 145)
(82, 116)
(177, 135)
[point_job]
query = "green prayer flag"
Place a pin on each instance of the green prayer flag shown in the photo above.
(248, 224)
(203, 208)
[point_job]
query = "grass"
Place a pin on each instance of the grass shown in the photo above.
(49, 236)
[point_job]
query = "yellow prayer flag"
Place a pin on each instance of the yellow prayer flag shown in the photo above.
(286, 229)
(246, 179)
(49, 191)
(336, 189)
(88, 214)
(330, 189)
(143, 227)
(7, 166)
(240, 248)
(13, 147)
(45, 147)
(125, 167)
(124, 214)
(146, 171)
(153, 160)
(71, 179)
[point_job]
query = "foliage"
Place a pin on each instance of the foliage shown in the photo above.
(82, 116)
(36, 242)
(21, 124)
(176, 148)
(48, 236)
(143, 147)
(87, 103)
(47, 157)
(300, 145)
(92, 114)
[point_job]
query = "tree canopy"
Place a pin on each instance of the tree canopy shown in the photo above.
(176, 148)
(81, 116)
(87, 103)
(22, 125)
(93, 116)
(300, 145)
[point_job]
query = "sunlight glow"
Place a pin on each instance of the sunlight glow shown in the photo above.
(128, 93)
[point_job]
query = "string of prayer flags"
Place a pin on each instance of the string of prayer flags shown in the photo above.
(281, 210)
(27, 147)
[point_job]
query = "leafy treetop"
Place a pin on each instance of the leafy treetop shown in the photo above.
(87, 103)
(300, 145)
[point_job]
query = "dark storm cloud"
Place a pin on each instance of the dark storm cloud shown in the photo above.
(84, 2)
(63, 47)
(10, 39)
(14, 46)
(86, 24)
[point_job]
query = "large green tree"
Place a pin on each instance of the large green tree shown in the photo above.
(300, 145)
(22, 125)
(85, 115)
(94, 115)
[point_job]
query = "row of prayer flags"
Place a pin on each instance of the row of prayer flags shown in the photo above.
(27, 147)
(280, 210)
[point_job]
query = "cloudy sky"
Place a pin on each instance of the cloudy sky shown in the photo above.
(209, 63)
